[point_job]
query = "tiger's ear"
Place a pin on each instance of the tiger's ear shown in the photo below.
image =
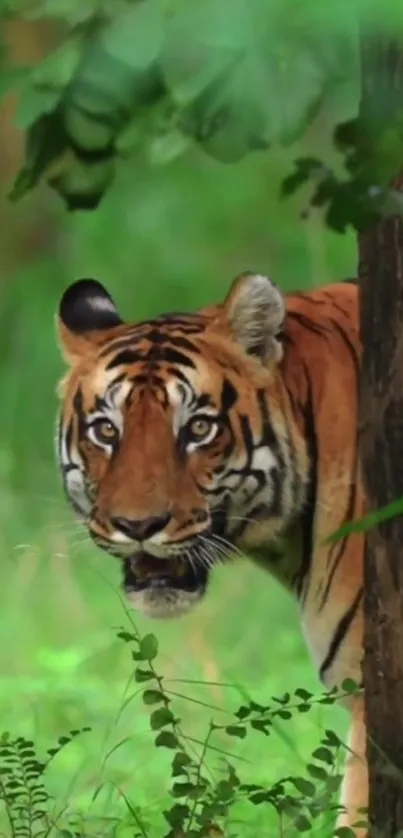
(86, 311)
(255, 310)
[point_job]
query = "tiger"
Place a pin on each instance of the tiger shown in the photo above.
(194, 436)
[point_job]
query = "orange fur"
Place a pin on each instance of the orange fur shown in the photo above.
(295, 386)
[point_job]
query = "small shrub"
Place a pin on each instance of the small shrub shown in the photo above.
(202, 798)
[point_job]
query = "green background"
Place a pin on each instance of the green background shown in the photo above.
(164, 237)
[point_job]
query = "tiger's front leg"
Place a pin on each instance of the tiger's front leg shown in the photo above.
(354, 794)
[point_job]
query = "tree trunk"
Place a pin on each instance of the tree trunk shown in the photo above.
(381, 445)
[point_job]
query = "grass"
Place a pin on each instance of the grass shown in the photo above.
(164, 238)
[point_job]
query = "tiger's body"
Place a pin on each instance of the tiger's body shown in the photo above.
(236, 426)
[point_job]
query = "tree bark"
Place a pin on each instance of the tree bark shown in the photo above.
(381, 448)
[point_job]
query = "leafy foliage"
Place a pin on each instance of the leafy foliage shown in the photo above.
(204, 791)
(202, 802)
(361, 194)
(149, 77)
(23, 789)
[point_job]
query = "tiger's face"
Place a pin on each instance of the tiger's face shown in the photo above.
(167, 438)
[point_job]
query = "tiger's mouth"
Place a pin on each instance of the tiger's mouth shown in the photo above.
(145, 572)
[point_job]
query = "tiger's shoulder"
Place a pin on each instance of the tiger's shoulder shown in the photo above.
(337, 300)
(323, 320)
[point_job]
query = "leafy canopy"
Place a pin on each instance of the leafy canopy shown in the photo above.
(151, 76)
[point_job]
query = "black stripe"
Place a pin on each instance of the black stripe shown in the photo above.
(268, 436)
(309, 324)
(203, 401)
(179, 375)
(78, 409)
(308, 513)
(78, 402)
(229, 395)
(141, 379)
(125, 342)
(219, 518)
(68, 437)
(340, 633)
(307, 299)
(248, 442)
(141, 332)
(341, 309)
(352, 348)
(175, 357)
(337, 549)
(292, 454)
(126, 356)
(162, 336)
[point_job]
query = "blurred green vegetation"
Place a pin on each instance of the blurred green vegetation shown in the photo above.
(164, 237)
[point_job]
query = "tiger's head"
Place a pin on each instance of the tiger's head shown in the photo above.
(171, 439)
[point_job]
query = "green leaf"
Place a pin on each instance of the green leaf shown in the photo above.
(198, 789)
(350, 686)
(303, 708)
(323, 755)
(177, 814)
(57, 69)
(262, 725)
(166, 147)
(149, 647)
(136, 656)
(304, 786)
(236, 730)
(260, 796)
(290, 806)
(180, 763)
(327, 699)
(372, 519)
(302, 823)
(344, 832)
(182, 789)
(251, 73)
(105, 93)
(284, 714)
(135, 36)
(82, 184)
(46, 143)
(332, 738)
(316, 771)
(333, 783)
(304, 694)
(224, 790)
(160, 718)
(242, 713)
(153, 697)
(141, 675)
(84, 131)
(126, 637)
(33, 103)
(166, 739)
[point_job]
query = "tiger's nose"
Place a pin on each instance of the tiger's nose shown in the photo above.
(139, 529)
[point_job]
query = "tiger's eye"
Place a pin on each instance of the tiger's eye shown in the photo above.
(199, 428)
(104, 431)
